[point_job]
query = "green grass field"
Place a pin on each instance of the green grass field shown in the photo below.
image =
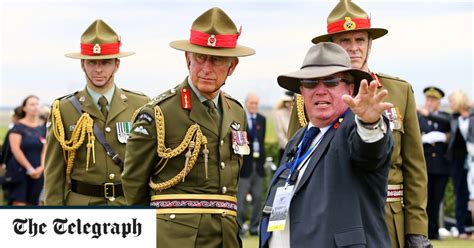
(252, 242)
(3, 131)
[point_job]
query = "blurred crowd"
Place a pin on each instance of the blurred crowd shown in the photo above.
(448, 143)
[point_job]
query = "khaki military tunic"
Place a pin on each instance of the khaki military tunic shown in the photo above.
(186, 229)
(57, 189)
(408, 164)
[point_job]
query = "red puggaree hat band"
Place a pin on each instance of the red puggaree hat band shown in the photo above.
(100, 49)
(214, 40)
(348, 24)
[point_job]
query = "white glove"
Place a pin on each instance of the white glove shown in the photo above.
(470, 148)
(433, 137)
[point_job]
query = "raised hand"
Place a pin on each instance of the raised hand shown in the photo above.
(368, 105)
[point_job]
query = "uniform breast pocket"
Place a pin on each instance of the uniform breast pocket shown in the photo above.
(397, 138)
(235, 167)
(177, 230)
(175, 165)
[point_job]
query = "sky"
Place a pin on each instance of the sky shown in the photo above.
(429, 43)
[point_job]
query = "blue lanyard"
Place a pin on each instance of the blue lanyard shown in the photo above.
(298, 160)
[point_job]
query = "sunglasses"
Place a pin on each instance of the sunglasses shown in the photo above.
(328, 82)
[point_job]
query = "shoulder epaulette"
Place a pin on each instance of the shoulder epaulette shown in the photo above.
(133, 92)
(66, 96)
(383, 75)
(231, 98)
(163, 96)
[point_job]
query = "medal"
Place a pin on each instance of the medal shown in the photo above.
(240, 142)
(393, 115)
(123, 131)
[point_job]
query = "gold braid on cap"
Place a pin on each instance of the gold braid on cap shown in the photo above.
(83, 126)
(300, 110)
(192, 141)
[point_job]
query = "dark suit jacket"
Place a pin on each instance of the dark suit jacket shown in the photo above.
(248, 160)
(435, 154)
(339, 201)
(456, 143)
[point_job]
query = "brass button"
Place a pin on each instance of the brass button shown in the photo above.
(107, 129)
(172, 216)
(111, 199)
(222, 165)
(173, 91)
(224, 190)
(111, 176)
(222, 142)
(433, 154)
(224, 213)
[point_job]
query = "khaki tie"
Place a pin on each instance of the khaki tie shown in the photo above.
(212, 111)
(103, 106)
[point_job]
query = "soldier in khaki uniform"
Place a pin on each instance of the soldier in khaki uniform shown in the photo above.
(349, 26)
(185, 151)
(88, 129)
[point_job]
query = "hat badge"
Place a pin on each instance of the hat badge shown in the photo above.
(211, 41)
(349, 24)
(96, 49)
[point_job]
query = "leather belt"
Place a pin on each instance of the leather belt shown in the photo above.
(195, 204)
(106, 190)
(395, 193)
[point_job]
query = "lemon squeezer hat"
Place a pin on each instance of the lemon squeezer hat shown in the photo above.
(99, 41)
(322, 60)
(213, 33)
(347, 17)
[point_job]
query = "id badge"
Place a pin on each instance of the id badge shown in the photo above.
(280, 208)
(256, 149)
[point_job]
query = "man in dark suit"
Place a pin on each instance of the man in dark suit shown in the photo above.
(331, 188)
(252, 172)
(434, 126)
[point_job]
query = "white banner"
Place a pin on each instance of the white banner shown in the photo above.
(84, 228)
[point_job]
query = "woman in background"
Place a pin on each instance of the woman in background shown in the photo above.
(461, 153)
(27, 144)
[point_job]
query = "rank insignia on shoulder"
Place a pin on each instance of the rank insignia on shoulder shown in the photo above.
(145, 117)
(376, 78)
(123, 131)
(142, 130)
(240, 143)
(235, 126)
(186, 98)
